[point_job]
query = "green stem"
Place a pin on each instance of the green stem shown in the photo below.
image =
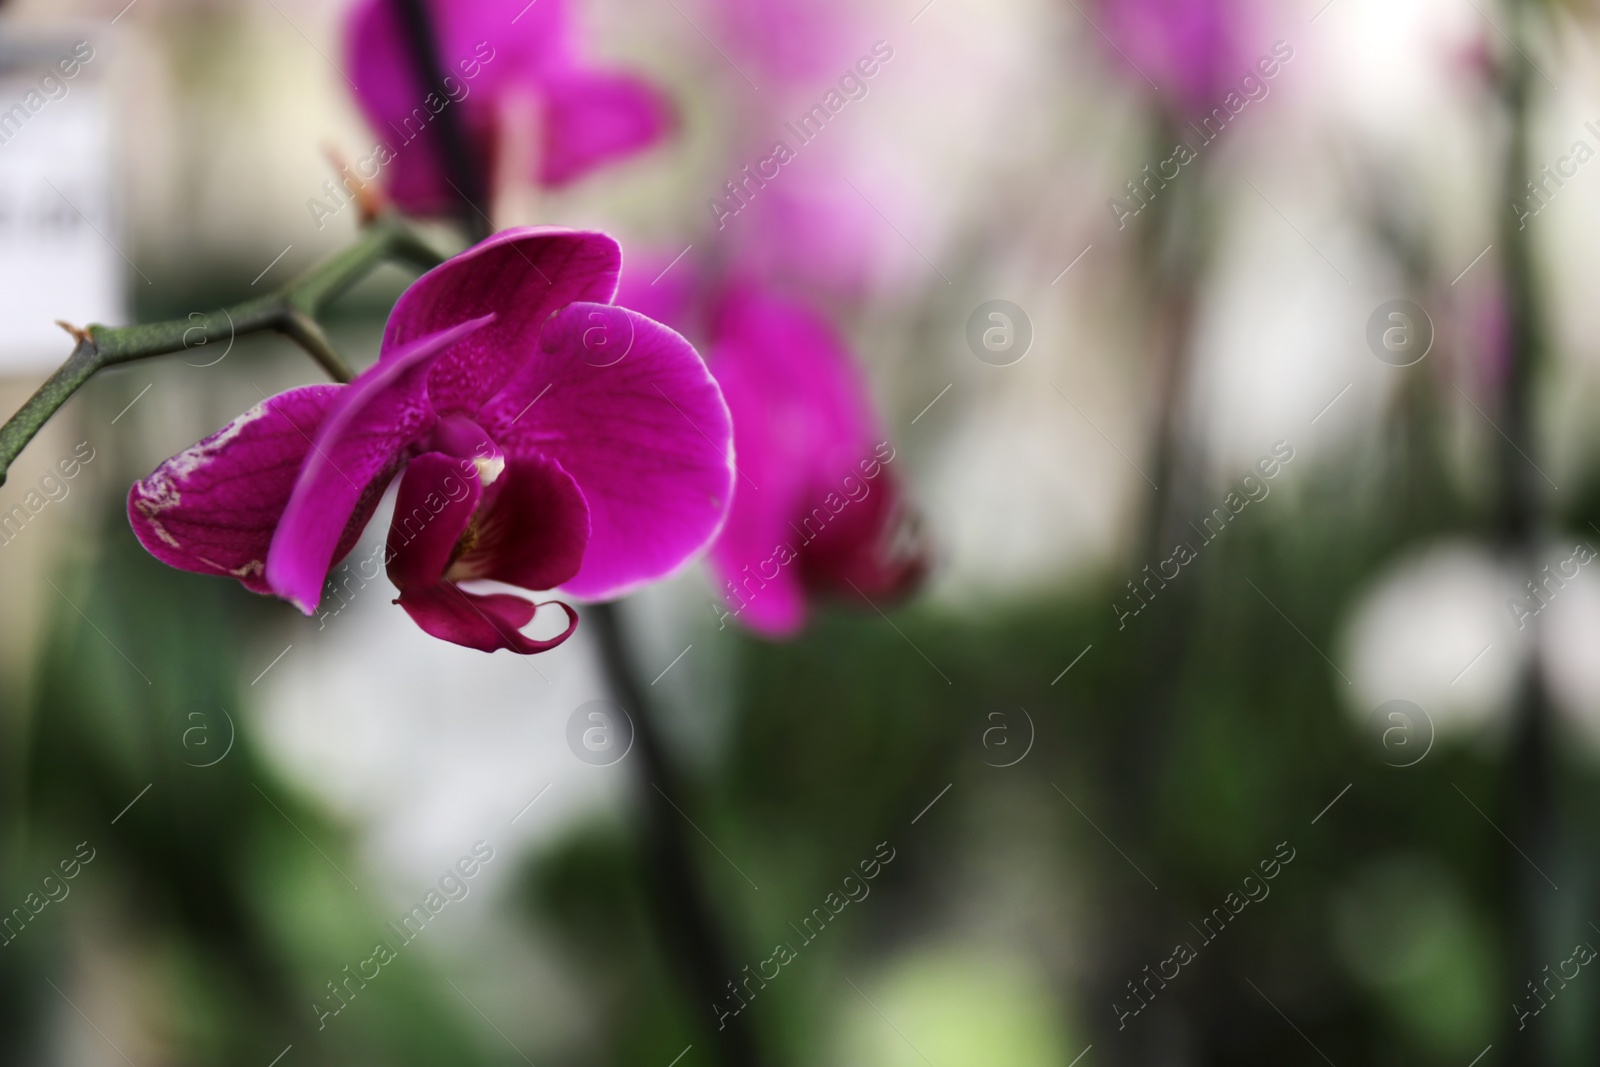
(291, 311)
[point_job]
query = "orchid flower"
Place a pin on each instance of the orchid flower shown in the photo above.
(794, 43)
(497, 56)
(543, 438)
(816, 509)
(1192, 50)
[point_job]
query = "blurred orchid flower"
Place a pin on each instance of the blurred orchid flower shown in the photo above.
(613, 479)
(818, 235)
(816, 509)
(498, 57)
(791, 41)
(1191, 50)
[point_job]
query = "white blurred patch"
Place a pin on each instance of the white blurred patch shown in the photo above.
(1436, 630)
(1394, 63)
(961, 69)
(1569, 635)
(1034, 482)
(1279, 344)
(428, 747)
(1376, 117)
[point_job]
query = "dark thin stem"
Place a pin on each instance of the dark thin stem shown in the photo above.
(683, 907)
(455, 153)
(290, 311)
(1530, 807)
(304, 331)
(1171, 250)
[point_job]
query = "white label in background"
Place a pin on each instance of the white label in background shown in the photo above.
(59, 238)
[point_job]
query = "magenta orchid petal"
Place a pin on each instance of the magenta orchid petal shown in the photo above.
(799, 43)
(1193, 49)
(592, 118)
(533, 529)
(213, 508)
(869, 549)
(521, 277)
(484, 622)
(361, 444)
(483, 46)
(489, 52)
(435, 503)
(391, 96)
(764, 593)
(814, 232)
(768, 498)
(635, 418)
(775, 355)
(822, 515)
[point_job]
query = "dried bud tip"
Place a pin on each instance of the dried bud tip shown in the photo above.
(369, 198)
(79, 334)
(372, 202)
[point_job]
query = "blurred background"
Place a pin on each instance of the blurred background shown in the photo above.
(1235, 357)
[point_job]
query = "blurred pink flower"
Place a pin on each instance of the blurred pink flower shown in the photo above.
(1193, 50)
(614, 479)
(817, 233)
(816, 510)
(793, 41)
(495, 55)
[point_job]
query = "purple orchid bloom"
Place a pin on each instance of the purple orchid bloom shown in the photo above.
(794, 42)
(544, 438)
(496, 55)
(816, 510)
(1192, 49)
